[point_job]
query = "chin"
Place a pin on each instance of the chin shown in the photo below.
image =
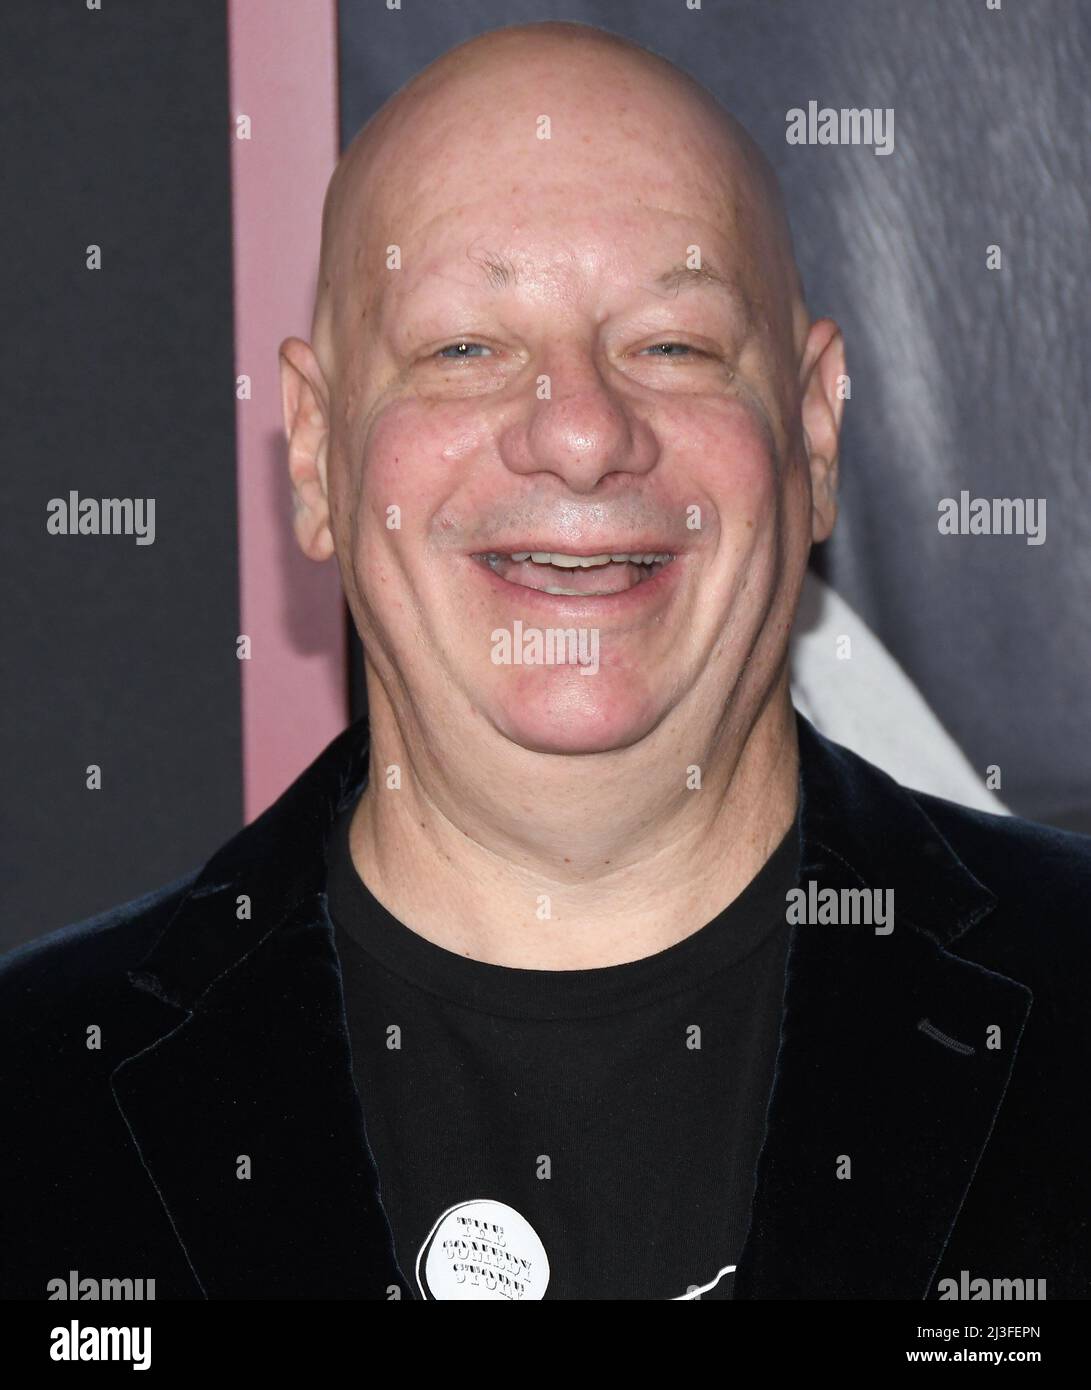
(565, 712)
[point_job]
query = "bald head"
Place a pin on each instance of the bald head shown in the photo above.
(475, 116)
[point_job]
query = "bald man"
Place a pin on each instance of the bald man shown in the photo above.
(586, 968)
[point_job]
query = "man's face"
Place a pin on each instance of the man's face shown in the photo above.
(544, 374)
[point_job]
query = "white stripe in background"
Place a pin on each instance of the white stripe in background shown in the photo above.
(870, 704)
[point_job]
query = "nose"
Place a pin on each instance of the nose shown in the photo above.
(583, 431)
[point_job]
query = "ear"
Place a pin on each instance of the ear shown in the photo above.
(306, 425)
(822, 381)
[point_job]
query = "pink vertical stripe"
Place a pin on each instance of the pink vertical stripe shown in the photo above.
(283, 64)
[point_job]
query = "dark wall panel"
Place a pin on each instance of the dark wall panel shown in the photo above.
(118, 384)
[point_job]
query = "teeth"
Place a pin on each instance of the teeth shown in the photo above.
(571, 562)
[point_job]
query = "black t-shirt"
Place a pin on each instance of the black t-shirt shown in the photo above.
(576, 1134)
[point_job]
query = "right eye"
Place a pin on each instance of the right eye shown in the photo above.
(455, 352)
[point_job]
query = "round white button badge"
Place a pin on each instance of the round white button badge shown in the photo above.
(482, 1250)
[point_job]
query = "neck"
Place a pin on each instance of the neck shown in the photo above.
(547, 862)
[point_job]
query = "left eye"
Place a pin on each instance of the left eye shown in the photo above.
(455, 351)
(669, 349)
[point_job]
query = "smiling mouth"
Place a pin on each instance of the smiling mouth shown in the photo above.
(553, 572)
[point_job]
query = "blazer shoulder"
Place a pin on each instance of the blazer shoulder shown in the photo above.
(76, 960)
(1006, 848)
(1039, 874)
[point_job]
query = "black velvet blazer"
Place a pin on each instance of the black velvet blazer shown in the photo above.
(948, 1060)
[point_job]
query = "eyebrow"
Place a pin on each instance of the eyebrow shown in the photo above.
(499, 273)
(497, 270)
(685, 277)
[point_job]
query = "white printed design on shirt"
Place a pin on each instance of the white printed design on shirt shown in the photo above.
(704, 1288)
(482, 1250)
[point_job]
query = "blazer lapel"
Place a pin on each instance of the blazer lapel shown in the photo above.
(885, 1090)
(244, 1111)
